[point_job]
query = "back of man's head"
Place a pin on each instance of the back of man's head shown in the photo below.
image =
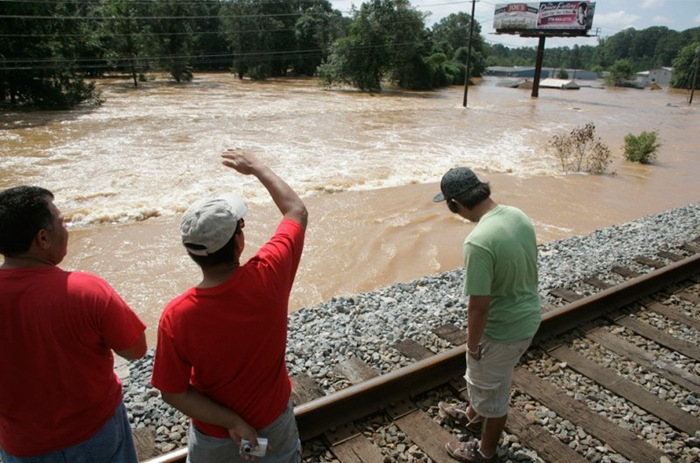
(208, 228)
(461, 184)
(24, 210)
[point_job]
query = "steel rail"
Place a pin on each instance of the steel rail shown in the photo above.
(357, 401)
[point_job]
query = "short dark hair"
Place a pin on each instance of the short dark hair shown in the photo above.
(472, 197)
(224, 255)
(24, 210)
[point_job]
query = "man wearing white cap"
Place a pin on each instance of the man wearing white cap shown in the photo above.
(220, 357)
(503, 314)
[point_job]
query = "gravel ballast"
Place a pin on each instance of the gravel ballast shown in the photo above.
(366, 325)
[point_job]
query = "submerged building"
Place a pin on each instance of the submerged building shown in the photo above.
(529, 72)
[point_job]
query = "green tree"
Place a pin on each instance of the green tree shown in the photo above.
(42, 46)
(684, 67)
(211, 49)
(644, 44)
(450, 38)
(667, 48)
(263, 35)
(314, 30)
(386, 38)
(408, 45)
(173, 25)
(617, 47)
(122, 36)
(575, 59)
(620, 73)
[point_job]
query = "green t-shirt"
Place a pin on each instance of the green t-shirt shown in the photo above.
(500, 260)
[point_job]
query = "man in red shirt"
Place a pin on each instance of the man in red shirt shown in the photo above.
(60, 399)
(220, 357)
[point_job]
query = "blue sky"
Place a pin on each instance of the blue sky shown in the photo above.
(611, 17)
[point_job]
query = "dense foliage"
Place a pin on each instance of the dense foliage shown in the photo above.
(649, 48)
(641, 148)
(388, 40)
(50, 49)
(686, 67)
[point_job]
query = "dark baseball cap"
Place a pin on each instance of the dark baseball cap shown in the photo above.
(455, 182)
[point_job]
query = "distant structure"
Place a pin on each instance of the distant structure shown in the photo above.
(563, 84)
(542, 20)
(660, 76)
(529, 72)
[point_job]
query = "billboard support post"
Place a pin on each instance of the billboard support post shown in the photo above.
(469, 58)
(538, 68)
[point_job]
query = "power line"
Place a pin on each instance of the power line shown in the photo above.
(92, 63)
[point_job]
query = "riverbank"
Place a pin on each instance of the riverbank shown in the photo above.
(365, 325)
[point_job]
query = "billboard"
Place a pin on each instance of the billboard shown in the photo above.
(544, 16)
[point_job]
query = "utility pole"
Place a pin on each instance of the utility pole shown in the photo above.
(469, 58)
(695, 74)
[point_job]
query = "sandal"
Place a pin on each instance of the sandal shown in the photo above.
(468, 452)
(459, 415)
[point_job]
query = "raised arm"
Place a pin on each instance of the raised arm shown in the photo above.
(287, 201)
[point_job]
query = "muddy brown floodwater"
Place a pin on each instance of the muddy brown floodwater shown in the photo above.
(366, 165)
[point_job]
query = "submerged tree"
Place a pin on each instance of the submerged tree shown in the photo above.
(41, 47)
(620, 73)
(450, 38)
(122, 36)
(685, 66)
(386, 39)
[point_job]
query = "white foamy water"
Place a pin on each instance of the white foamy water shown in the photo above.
(151, 151)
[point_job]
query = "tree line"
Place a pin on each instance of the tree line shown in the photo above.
(51, 50)
(622, 54)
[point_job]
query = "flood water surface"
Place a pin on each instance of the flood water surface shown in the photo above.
(366, 165)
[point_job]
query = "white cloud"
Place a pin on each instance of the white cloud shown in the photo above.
(652, 4)
(618, 20)
(696, 20)
(661, 20)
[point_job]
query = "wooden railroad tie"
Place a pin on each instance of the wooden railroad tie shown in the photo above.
(672, 256)
(628, 390)
(657, 264)
(622, 441)
(625, 272)
(565, 294)
(597, 283)
(638, 355)
(674, 314)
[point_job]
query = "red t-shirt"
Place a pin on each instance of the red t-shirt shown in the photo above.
(57, 332)
(229, 341)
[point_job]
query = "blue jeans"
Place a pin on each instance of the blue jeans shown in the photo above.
(112, 444)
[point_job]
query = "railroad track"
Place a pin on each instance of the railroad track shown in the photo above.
(630, 335)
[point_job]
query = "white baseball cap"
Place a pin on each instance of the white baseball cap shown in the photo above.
(209, 224)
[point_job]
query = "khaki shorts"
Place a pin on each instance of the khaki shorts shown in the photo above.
(489, 379)
(282, 434)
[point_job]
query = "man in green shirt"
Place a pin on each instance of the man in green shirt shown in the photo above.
(503, 314)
